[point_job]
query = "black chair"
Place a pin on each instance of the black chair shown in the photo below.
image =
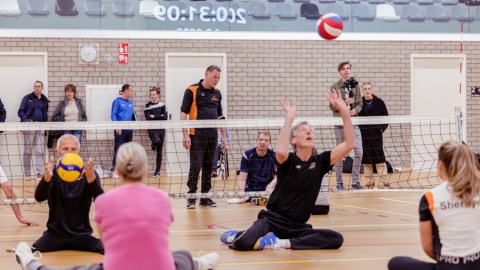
(66, 8)
(309, 11)
(472, 3)
(37, 7)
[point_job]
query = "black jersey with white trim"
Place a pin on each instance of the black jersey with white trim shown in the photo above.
(298, 185)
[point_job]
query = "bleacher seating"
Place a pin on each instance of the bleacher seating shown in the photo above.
(123, 8)
(284, 11)
(9, 8)
(147, 7)
(437, 14)
(449, 2)
(94, 8)
(387, 13)
(338, 9)
(425, 2)
(460, 13)
(37, 7)
(362, 13)
(258, 11)
(412, 13)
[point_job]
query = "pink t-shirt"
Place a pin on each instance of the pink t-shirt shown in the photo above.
(135, 221)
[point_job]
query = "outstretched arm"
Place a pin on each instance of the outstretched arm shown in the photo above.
(341, 150)
(283, 139)
(7, 188)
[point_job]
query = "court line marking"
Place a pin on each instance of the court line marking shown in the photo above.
(314, 261)
(374, 210)
(393, 200)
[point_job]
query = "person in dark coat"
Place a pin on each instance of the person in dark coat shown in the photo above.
(372, 138)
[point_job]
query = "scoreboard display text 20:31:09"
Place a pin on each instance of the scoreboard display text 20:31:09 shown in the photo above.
(205, 14)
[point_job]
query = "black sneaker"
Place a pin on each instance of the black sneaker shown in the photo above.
(207, 202)
(191, 203)
(356, 186)
(156, 175)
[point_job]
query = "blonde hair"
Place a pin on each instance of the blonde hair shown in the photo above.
(367, 83)
(131, 161)
(461, 167)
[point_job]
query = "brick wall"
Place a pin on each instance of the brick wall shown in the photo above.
(258, 71)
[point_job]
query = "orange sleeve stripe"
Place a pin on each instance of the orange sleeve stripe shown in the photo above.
(430, 201)
(193, 114)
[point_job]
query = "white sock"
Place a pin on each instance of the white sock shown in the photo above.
(283, 243)
(33, 265)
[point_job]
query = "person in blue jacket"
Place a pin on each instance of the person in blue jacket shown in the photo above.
(122, 110)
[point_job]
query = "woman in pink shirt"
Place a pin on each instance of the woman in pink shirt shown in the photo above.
(133, 231)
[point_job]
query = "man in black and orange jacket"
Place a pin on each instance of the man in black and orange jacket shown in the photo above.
(202, 101)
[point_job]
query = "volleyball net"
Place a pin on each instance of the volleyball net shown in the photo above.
(410, 146)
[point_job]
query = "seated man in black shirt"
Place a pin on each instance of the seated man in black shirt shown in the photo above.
(299, 176)
(68, 225)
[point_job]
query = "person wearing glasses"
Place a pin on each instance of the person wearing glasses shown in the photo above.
(202, 101)
(156, 110)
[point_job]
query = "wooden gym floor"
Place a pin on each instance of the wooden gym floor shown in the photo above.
(376, 225)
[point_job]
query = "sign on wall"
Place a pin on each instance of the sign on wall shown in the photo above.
(123, 53)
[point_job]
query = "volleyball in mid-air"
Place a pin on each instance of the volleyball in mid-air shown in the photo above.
(70, 167)
(330, 26)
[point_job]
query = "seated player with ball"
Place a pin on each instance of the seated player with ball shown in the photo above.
(299, 177)
(133, 221)
(69, 200)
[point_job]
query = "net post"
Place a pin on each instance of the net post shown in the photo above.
(458, 118)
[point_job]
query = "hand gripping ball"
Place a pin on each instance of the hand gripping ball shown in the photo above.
(70, 167)
(330, 26)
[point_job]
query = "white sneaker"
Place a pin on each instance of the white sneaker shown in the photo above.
(24, 255)
(208, 261)
(238, 200)
(115, 175)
